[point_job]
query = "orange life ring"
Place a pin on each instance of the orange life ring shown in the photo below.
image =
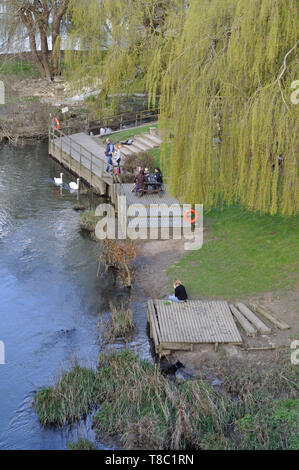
(57, 123)
(191, 211)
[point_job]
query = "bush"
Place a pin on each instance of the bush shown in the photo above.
(144, 159)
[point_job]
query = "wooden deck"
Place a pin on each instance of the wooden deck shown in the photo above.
(81, 155)
(84, 156)
(179, 326)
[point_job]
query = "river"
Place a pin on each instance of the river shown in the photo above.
(50, 298)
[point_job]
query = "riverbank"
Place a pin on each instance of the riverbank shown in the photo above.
(225, 399)
(244, 409)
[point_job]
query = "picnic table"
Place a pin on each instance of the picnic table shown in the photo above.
(148, 187)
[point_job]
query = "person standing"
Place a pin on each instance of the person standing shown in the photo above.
(109, 151)
(117, 157)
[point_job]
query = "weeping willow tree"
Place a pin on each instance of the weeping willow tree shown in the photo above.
(224, 71)
(117, 40)
(226, 91)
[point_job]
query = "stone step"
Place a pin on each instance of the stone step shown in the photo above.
(153, 138)
(140, 145)
(149, 143)
(146, 144)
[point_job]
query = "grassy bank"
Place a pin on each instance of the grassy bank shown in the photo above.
(130, 133)
(255, 410)
(245, 253)
(21, 68)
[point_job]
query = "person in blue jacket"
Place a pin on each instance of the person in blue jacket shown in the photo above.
(109, 152)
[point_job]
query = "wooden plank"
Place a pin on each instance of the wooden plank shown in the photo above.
(153, 328)
(155, 323)
(176, 346)
(247, 327)
(261, 327)
(280, 324)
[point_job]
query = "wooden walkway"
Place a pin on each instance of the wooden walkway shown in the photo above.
(179, 326)
(83, 156)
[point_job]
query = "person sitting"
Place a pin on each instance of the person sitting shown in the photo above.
(158, 179)
(109, 151)
(140, 180)
(180, 294)
(147, 174)
(138, 170)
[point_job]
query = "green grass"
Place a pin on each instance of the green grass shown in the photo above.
(81, 444)
(71, 398)
(156, 152)
(255, 409)
(129, 133)
(245, 253)
(20, 68)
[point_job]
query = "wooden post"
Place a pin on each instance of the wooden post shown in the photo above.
(70, 156)
(91, 169)
(80, 169)
(60, 148)
(121, 121)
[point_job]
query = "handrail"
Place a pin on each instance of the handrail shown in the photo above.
(54, 132)
(138, 116)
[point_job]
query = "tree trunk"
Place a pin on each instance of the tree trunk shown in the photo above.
(45, 54)
(57, 13)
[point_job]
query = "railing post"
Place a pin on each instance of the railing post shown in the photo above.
(91, 169)
(70, 159)
(80, 169)
(60, 148)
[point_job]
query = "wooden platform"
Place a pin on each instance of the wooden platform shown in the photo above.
(80, 154)
(179, 326)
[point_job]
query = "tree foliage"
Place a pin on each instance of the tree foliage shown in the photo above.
(38, 18)
(224, 70)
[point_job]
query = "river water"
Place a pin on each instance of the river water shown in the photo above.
(50, 298)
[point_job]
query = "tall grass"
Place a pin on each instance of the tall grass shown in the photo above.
(255, 410)
(120, 324)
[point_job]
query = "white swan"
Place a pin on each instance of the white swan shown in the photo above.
(75, 185)
(58, 180)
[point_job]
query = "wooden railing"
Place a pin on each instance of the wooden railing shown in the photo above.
(68, 145)
(123, 119)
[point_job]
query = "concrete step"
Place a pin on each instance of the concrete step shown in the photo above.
(153, 138)
(141, 146)
(146, 143)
